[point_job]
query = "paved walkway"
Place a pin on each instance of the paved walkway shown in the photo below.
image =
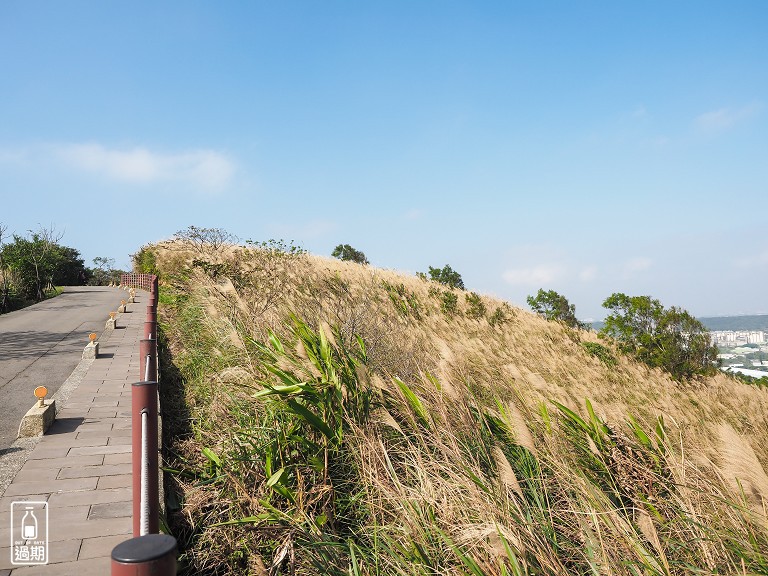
(82, 466)
(41, 344)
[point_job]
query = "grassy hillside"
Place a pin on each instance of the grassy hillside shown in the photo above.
(324, 417)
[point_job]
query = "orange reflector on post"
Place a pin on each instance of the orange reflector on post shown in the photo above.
(92, 336)
(40, 393)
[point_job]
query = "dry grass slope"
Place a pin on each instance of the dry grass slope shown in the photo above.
(454, 444)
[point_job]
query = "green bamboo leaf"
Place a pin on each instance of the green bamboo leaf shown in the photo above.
(517, 569)
(639, 433)
(285, 377)
(573, 417)
(276, 344)
(477, 480)
(361, 344)
(211, 455)
(245, 520)
(413, 401)
(311, 418)
(276, 477)
(466, 560)
(276, 390)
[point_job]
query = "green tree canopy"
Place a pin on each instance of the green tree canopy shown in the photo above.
(347, 253)
(554, 306)
(668, 338)
(447, 276)
(31, 264)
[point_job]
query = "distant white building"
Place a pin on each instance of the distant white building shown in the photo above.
(755, 337)
(746, 371)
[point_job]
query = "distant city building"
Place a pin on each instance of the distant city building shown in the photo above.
(756, 338)
(733, 339)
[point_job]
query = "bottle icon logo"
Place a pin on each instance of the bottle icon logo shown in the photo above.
(29, 524)
(29, 533)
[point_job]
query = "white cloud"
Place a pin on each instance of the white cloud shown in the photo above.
(753, 261)
(637, 265)
(533, 276)
(203, 169)
(588, 273)
(412, 214)
(724, 118)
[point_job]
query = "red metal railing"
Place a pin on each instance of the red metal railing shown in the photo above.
(148, 552)
(146, 282)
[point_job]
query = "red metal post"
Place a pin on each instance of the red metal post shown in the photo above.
(144, 400)
(150, 330)
(150, 555)
(148, 351)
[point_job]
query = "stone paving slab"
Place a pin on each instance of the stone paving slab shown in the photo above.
(82, 466)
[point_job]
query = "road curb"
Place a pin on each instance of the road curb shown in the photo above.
(13, 458)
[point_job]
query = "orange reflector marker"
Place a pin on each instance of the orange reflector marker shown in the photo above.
(92, 336)
(40, 393)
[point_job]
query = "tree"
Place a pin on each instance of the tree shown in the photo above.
(33, 259)
(670, 339)
(102, 271)
(206, 241)
(554, 306)
(67, 267)
(32, 264)
(349, 254)
(447, 276)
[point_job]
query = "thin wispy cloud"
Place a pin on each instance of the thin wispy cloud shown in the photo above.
(635, 265)
(588, 273)
(724, 119)
(533, 276)
(203, 169)
(753, 261)
(412, 214)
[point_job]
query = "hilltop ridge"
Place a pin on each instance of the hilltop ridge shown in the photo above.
(470, 409)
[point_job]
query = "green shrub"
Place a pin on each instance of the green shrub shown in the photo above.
(600, 352)
(347, 253)
(476, 306)
(449, 303)
(446, 276)
(406, 302)
(145, 261)
(500, 316)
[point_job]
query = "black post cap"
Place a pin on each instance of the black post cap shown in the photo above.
(144, 549)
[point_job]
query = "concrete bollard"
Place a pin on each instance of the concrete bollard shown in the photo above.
(121, 309)
(91, 351)
(111, 321)
(38, 418)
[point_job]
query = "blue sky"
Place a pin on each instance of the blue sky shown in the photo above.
(586, 147)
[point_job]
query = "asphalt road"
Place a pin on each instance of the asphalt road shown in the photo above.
(42, 345)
